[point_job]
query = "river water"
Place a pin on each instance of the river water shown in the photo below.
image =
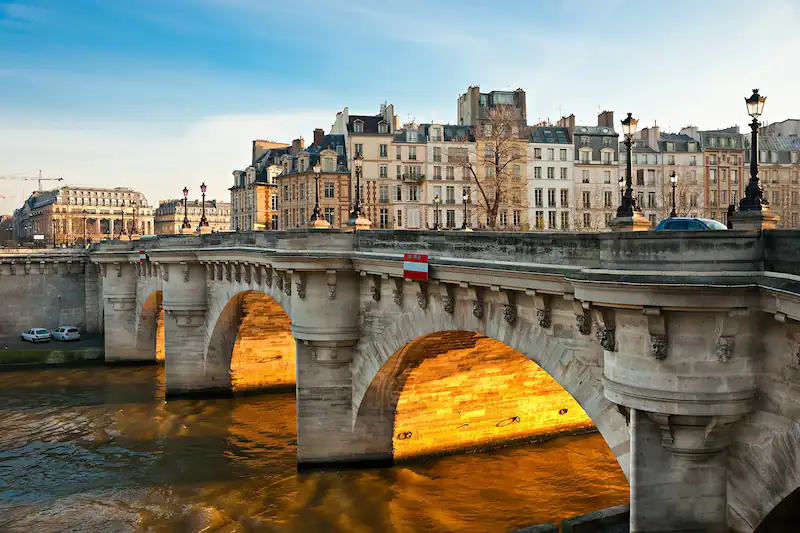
(97, 449)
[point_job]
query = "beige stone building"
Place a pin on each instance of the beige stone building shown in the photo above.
(254, 196)
(169, 215)
(63, 216)
(779, 175)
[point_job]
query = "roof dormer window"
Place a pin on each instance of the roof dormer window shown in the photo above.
(358, 127)
(412, 136)
(383, 128)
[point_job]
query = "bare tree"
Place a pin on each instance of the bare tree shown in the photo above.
(497, 170)
(688, 198)
(595, 207)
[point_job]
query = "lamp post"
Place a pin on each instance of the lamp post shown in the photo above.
(621, 189)
(628, 204)
(436, 202)
(357, 208)
(673, 179)
(753, 194)
(465, 198)
(83, 215)
(203, 220)
(186, 226)
(54, 232)
(317, 218)
(122, 231)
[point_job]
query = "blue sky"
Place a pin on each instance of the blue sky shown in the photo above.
(162, 93)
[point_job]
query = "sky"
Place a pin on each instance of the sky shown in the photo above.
(162, 94)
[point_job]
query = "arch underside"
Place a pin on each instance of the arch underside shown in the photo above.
(571, 363)
(150, 335)
(251, 347)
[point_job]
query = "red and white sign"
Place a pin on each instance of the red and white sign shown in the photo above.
(415, 266)
(142, 256)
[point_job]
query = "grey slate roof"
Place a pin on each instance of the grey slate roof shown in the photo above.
(727, 133)
(550, 134)
(594, 130)
(370, 124)
(680, 141)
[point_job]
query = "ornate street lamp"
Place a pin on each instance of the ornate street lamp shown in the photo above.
(358, 210)
(122, 231)
(673, 179)
(621, 189)
(465, 198)
(753, 194)
(436, 202)
(186, 224)
(54, 232)
(134, 229)
(317, 218)
(203, 221)
(83, 215)
(628, 204)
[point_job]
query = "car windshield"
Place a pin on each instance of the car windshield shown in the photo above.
(713, 224)
(72, 330)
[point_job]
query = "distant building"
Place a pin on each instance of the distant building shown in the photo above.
(725, 171)
(778, 173)
(473, 105)
(170, 213)
(254, 199)
(449, 149)
(65, 214)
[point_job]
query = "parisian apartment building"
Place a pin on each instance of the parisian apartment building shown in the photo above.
(170, 215)
(425, 175)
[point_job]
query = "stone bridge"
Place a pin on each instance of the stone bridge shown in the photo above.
(682, 348)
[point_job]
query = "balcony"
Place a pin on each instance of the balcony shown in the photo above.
(450, 201)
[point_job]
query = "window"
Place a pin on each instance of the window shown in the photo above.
(565, 198)
(691, 147)
(550, 154)
(551, 173)
(607, 199)
(724, 197)
(671, 148)
(437, 153)
(608, 219)
(489, 172)
(712, 175)
(384, 218)
(563, 173)
(651, 200)
(358, 126)
(693, 161)
(383, 128)
(359, 149)
(399, 218)
(587, 200)
(551, 198)
(516, 217)
(713, 200)
(670, 159)
(412, 152)
(794, 198)
(539, 220)
(723, 175)
(736, 160)
(302, 191)
(397, 193)
(399, 172)
(712, 141)
(606, 158)
(564, 220)
(302, 219)
(451, 174)
(586, 157)
(383, 194)
(517, 171)
(587, 220)
(584, 141)
(398, 153)
(503, 218)
(450, 196)
(286, 218)
(640, 177)
(562, 154)
(412, 136)
(795, 157)
(651, 177)
(585, 176)
(412, 193)
(773, 156)
(437, 172)
(763, 156)
(607, 176)
(537, 153)
(775, 198)
(640, 198)
(537, 173)
(384, 171)
(712, 159)
(537, 195)
(286, 193)
(328, 188)
(383, 151)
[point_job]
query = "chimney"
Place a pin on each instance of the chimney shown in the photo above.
(567, 122)
(606, 119)
(298, 145)
(319, 133)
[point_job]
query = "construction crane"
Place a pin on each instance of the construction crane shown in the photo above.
(40, 179)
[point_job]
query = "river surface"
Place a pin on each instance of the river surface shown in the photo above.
(97, 449)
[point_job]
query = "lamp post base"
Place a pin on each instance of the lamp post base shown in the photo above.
(755, 219)
(187, 231)
(359, 223)
(637, 222)
(204, 230)
(319, 223)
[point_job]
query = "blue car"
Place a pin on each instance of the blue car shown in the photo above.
(690, 224)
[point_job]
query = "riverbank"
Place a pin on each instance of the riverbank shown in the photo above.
(16, 353)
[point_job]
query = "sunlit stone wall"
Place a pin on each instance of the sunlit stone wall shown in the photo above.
(160, 335)
(264, 352)
(469, 391)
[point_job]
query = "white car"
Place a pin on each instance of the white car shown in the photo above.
(67, 333)
(36, 335)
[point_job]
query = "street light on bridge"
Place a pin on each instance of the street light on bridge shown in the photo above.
(83, 216)
(628, 204)
(753, 194)
(673, 179)
(203, 220)
(186, 225)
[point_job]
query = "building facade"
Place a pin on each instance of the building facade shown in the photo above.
(169, 215)
(779, 174)
(297, 187)
(724, 169)
(596, 161)
(254, 196)
(64, 216)
(449, 149)
(551, 188)
(473, 104)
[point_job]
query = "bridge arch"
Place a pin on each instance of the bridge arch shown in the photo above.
(250, 345)
(571, 363)
(150, 327)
